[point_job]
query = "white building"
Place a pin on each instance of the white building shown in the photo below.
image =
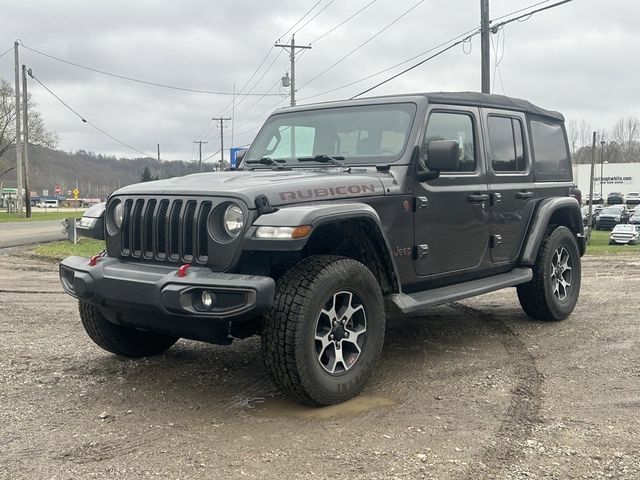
(616, 177)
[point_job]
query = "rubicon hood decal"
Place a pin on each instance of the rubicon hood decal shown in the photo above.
(321, 192)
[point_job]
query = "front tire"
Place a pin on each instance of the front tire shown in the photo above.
(323, 336)
(553, 292)
(123, 341)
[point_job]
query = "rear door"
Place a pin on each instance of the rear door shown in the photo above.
(511, 182)
(452, 211)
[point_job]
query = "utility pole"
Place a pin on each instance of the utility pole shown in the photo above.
(200, 143)
(590, 215)
(25, 142)
(602, 144)
(484, 46)
(291, 48)
(221, 120)
(18, 128)
(159, 164)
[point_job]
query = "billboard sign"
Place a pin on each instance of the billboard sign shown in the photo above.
(233, 151)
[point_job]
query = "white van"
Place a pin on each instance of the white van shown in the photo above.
(48, 204)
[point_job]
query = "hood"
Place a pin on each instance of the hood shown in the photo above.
(279, 186)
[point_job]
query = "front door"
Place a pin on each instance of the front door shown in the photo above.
(510, 179)
(452, 212)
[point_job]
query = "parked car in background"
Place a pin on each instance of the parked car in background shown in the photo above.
(615, 198)
(48, 204)
(595, 212)
(634, 217)
(632, 198)
(625, 234)
(611, 216)
(597, 198)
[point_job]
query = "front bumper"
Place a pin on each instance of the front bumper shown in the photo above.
(117, 284)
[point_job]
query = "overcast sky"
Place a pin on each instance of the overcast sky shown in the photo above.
(580, 58)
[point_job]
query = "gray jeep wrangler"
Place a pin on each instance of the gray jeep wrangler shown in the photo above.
(338, 214)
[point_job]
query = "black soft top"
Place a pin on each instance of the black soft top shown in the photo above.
(492, 101)
(475, 99)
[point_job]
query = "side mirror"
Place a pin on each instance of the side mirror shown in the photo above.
(239, 156)
(443, 155)
(426, 175)
(92, 222)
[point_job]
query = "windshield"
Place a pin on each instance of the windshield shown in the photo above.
(361, 134)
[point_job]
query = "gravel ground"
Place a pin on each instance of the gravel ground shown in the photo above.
(471, 390)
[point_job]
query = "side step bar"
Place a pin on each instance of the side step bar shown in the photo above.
(416, 302)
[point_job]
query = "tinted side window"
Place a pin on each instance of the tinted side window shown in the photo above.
(457, 127)
(550, 151)
(505, 141)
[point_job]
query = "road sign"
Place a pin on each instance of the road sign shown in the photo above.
(45, 193)
(76, 193)
(58, 189)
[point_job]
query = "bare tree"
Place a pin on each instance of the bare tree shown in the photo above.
(584, 134)
(626, 133)
(573, 133)
(38, 134)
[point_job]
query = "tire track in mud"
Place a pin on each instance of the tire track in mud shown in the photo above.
(523, 412)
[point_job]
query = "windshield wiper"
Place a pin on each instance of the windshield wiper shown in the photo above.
(324, 159)
(265, 161)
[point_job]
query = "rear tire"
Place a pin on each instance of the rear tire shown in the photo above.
(123, 341)
(553, 292)
(323, 336)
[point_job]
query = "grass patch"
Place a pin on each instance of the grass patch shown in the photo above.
(86, 247)
(599, 245)
(39, 216)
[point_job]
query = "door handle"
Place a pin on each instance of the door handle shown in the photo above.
(478, 197)
(524, 194)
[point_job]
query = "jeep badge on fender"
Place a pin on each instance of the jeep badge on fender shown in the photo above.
(337, 212)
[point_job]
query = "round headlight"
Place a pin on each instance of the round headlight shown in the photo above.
(118, 214)
(233, 220)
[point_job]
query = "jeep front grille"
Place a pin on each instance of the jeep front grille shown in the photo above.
(167, 229)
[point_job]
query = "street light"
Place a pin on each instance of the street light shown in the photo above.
(602, 143)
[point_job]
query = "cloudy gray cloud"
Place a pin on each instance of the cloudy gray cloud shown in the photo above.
(580, 58)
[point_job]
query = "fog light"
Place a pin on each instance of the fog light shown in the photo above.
(207, 299)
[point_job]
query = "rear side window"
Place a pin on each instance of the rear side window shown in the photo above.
(550, 152)
(457, 127)
(505, 141)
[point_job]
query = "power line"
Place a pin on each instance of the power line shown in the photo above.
(240, 94)
(312, 18)
(130, 79)
(84, 120)
(264, 59)
(412, 66)
(331, 30)
(211, 156)
(464, 35)
(301, 18)
(379, 32)
(494, 27)
(520, 10)
(3, 54)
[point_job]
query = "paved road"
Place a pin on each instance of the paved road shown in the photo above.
(22, 233)
(473, 390)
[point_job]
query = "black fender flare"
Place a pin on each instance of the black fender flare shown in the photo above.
(316, 215)
(542, 217)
